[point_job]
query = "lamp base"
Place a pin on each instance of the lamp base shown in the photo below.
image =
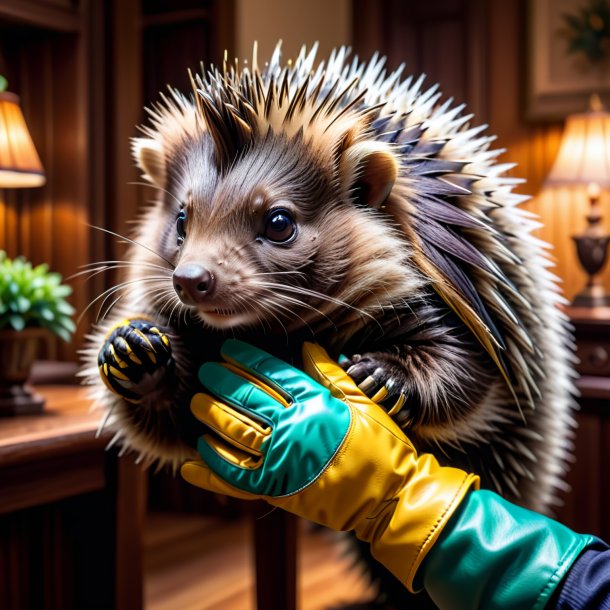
(17, 399)
(592, 296)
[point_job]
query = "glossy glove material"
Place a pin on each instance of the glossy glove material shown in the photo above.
(494, 555)
(323, 451)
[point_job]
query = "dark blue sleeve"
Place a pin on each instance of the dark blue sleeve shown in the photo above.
(587, 584)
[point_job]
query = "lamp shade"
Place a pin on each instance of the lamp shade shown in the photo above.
(19, 162)
(584, 152)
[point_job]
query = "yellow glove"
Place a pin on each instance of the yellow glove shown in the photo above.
(321, 449)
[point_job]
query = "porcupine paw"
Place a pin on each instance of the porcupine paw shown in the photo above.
(134, 359)
(383, 380)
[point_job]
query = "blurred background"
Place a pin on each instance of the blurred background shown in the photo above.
(84, 70)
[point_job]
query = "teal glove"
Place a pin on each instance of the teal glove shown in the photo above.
(494, 555)
(315, 445)
(328, 453)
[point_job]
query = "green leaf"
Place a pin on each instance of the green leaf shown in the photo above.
(46, 314)
(67, 324)
(23, 304)
(65, 308)
(62, 333)
(17, 322)
(33, 296)
(62, 291)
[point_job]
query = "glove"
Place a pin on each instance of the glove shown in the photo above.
(134, 358)
(323, 451)
(497, 556)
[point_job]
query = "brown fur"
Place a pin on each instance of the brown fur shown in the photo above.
(411, 257)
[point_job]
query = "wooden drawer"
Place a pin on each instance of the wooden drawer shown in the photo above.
(594, 357)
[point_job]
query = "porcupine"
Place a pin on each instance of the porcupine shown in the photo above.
(341, 204)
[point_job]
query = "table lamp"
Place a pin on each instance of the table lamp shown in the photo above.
(19, 162)
(584, 160)
(20, 167)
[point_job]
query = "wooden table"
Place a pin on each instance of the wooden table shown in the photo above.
(71, 517)
(587, 505)
(71, 513)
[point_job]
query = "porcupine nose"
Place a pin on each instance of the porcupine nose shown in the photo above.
(193, 283)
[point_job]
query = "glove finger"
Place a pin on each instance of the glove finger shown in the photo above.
(234, 426)
(198, 474)
(287, 380)
(319, 365)
(240, 393)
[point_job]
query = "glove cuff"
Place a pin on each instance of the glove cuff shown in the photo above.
(407, 528)
(496, 555)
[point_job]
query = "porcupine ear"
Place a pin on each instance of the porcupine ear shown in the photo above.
(149, 157)
(368, 170)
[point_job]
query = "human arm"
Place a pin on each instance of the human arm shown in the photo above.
(326, 452)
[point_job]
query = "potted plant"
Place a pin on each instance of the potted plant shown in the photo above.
(32, 304)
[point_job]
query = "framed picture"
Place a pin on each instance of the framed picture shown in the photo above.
(559, 83)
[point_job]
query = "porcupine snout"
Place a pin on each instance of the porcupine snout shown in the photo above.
(193, 283)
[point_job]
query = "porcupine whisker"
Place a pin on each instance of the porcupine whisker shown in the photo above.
(304, 304)
(266, 308)
(272, 273)
(134, 242)
(294, 289)
(137, 300)
(314, 293)
(166, 299)
(153, 294)
(91, 272)
(113, 289)
(289, 312)
(176, 305)
(159, 188)
(110, 263)
(101, 266)
(165, 302)
(110, 307)
(185, 313)
(97, 270)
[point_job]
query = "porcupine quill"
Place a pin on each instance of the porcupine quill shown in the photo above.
(410, 255)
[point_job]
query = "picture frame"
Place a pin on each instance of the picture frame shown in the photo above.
(558, 83)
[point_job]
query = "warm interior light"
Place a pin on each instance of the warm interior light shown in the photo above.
(20, 165)
(584, 153)
(584, 160)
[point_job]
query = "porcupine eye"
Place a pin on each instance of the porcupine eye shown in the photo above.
(181, 227)
(279, 226)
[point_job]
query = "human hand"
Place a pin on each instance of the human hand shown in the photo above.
(320, 448)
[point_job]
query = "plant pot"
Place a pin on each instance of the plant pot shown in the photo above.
(18, 350)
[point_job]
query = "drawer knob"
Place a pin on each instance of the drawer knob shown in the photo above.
(598, 356)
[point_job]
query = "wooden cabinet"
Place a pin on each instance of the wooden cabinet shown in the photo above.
(587, 504)
(71, 513)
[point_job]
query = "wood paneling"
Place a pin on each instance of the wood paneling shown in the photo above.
(78, 66)
(48, 224)
(476, 50)
(70, 512)
(586, 506)
(45, 58)
(532, 146)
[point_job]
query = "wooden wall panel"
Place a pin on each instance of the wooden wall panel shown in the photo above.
(78, 67)
(48, 224)
(476, 50)
(533, 146)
